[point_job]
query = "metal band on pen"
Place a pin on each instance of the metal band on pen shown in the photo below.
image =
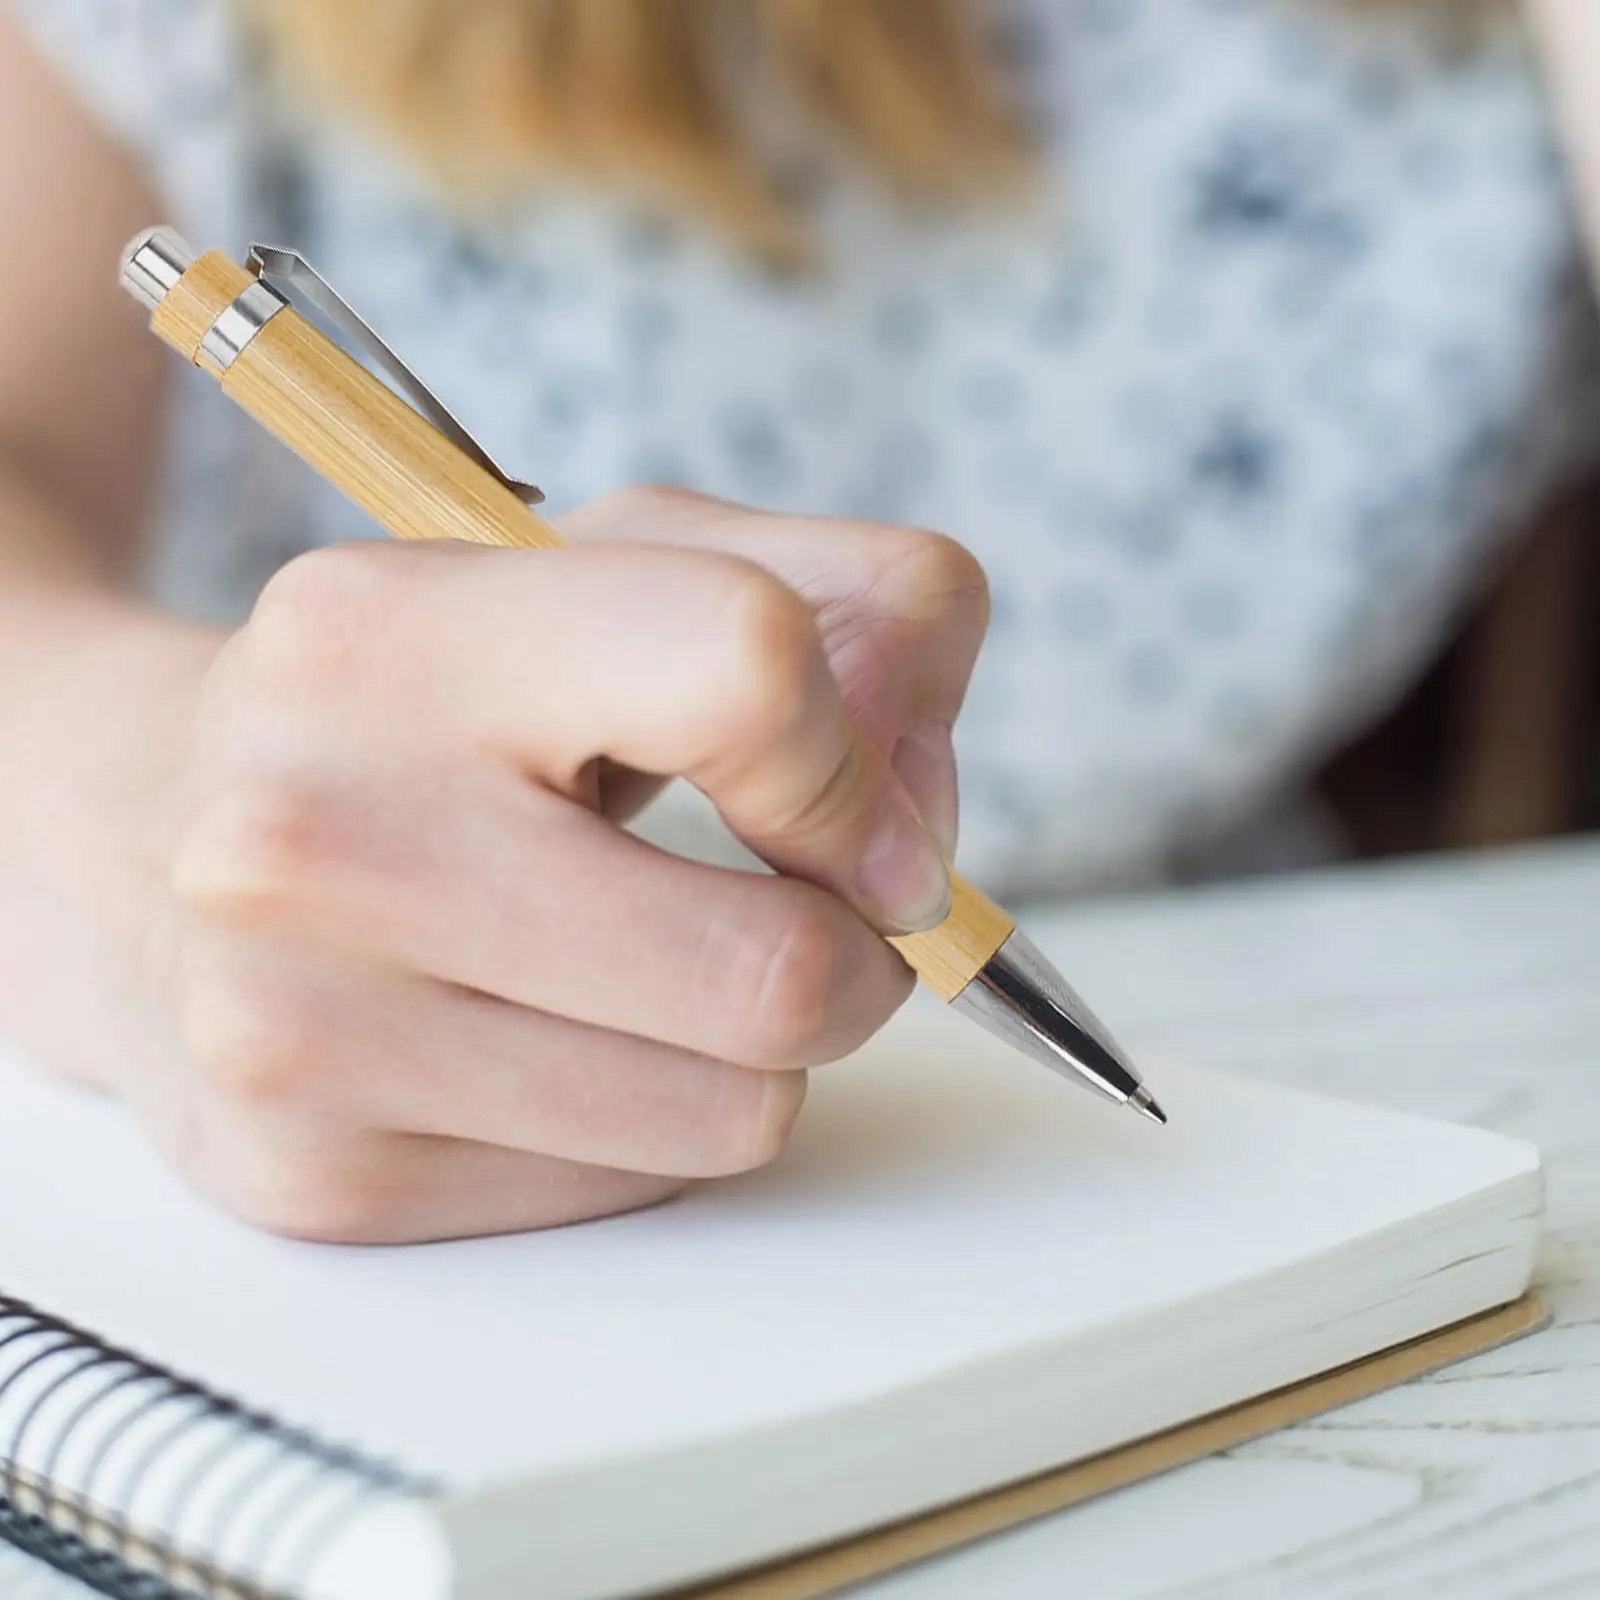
(230, 335)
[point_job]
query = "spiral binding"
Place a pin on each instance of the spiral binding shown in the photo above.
(81, 1380)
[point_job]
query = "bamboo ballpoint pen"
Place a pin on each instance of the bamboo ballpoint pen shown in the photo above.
(414, 469)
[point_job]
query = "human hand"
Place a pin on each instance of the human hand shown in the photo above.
(415, 982)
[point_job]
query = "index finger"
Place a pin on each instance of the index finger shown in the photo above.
(901, 612)
(671, 662)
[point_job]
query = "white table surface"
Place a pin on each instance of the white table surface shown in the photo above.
(1468, 988)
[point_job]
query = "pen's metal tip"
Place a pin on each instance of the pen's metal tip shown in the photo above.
(1145, 1104)
(1021, 998)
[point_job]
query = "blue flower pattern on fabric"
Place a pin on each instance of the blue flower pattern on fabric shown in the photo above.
(1235, 419)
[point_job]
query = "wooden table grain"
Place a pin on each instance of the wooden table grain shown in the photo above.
(1467, 988)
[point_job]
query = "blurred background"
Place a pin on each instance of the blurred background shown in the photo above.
(1500, 741)
(1250, 344)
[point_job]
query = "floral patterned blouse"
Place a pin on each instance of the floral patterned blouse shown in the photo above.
(1235, 421)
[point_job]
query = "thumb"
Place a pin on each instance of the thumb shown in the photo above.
(815, 798)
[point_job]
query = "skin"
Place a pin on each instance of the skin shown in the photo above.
(338, 902)
(349, 925)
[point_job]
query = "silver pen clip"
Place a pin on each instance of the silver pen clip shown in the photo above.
(289, 272)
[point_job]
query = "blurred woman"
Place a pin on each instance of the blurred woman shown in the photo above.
(1229, 336)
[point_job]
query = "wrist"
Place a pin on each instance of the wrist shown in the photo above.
(97, 697)
(96, 691)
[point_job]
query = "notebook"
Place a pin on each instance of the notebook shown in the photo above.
(964, 1273)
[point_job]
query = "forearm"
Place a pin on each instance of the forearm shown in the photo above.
(96, 693)
(69, 636)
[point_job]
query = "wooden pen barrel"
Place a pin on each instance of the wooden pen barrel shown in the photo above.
(367, 441)
(329, 409)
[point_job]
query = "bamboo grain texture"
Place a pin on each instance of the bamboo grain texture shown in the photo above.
(368, 442)
(204, 292)
(950, 956)
(327, 408)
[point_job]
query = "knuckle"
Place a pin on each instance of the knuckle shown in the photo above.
(327, 1198)
(773, 651)
(816, 818)
(941, 576)
(752, 1125)
(643, 503)
(248, 848)
(348, 1189)
(311, 621)
(255, 1048)
(790, 984)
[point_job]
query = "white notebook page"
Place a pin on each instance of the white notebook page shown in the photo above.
(944, 1202)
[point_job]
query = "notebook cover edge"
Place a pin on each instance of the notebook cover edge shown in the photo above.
(871, 1555)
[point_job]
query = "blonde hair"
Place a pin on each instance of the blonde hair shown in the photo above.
(657, 95)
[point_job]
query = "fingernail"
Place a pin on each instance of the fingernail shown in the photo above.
(904, 875)
(925, 762)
